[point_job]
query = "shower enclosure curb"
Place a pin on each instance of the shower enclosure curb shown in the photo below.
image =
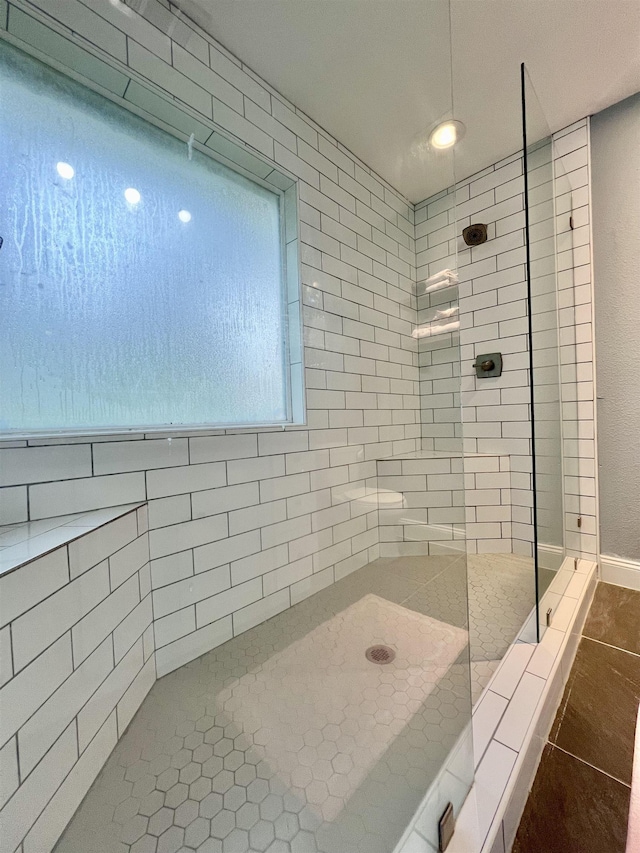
(510, 725)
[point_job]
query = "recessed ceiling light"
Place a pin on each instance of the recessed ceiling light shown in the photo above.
(132, 195)
(65, 170)
(446, 134)
(184, 216)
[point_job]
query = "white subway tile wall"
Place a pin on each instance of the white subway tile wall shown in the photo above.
(422, 505)
(490, 304)
(227, 492)
(486, 312)
(242, 517)
(573, 200)
(243, 524)
(77, 660)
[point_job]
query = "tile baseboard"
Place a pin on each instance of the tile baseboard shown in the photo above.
(619, 571)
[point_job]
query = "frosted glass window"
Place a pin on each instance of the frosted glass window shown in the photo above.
(139, 287)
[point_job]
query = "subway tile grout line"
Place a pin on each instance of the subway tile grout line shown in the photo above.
(75, 668)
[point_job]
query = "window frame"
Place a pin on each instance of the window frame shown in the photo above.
(231, 152)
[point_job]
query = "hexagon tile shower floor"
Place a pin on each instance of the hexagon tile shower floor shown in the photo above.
(287, 739)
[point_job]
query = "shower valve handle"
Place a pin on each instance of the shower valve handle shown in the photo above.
(489, 364)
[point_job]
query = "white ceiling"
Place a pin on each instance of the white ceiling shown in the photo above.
(377, 74)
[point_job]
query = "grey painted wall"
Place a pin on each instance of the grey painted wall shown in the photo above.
(615, 138)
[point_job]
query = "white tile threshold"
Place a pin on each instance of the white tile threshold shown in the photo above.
(22, 543)
(510, 724)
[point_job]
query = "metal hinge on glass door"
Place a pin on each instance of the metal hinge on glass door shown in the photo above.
(446, 827)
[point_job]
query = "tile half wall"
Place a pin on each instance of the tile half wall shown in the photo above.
(77, 659)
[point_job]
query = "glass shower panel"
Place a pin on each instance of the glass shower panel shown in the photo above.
(544, 348)
(434, 514)
(426, 526)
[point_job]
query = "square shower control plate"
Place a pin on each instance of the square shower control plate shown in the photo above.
(489, 364)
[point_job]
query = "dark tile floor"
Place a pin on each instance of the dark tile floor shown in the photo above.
(579, 801)
(596, 720)
(573, 808)
(614, 617)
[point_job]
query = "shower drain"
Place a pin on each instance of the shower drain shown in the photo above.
(380, 654)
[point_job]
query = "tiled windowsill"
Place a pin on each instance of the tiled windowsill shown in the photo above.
(22, 543)
(510, 725)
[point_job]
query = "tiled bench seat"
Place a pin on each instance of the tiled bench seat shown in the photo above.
(429, 514)
(22, 543)
(76, 660)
